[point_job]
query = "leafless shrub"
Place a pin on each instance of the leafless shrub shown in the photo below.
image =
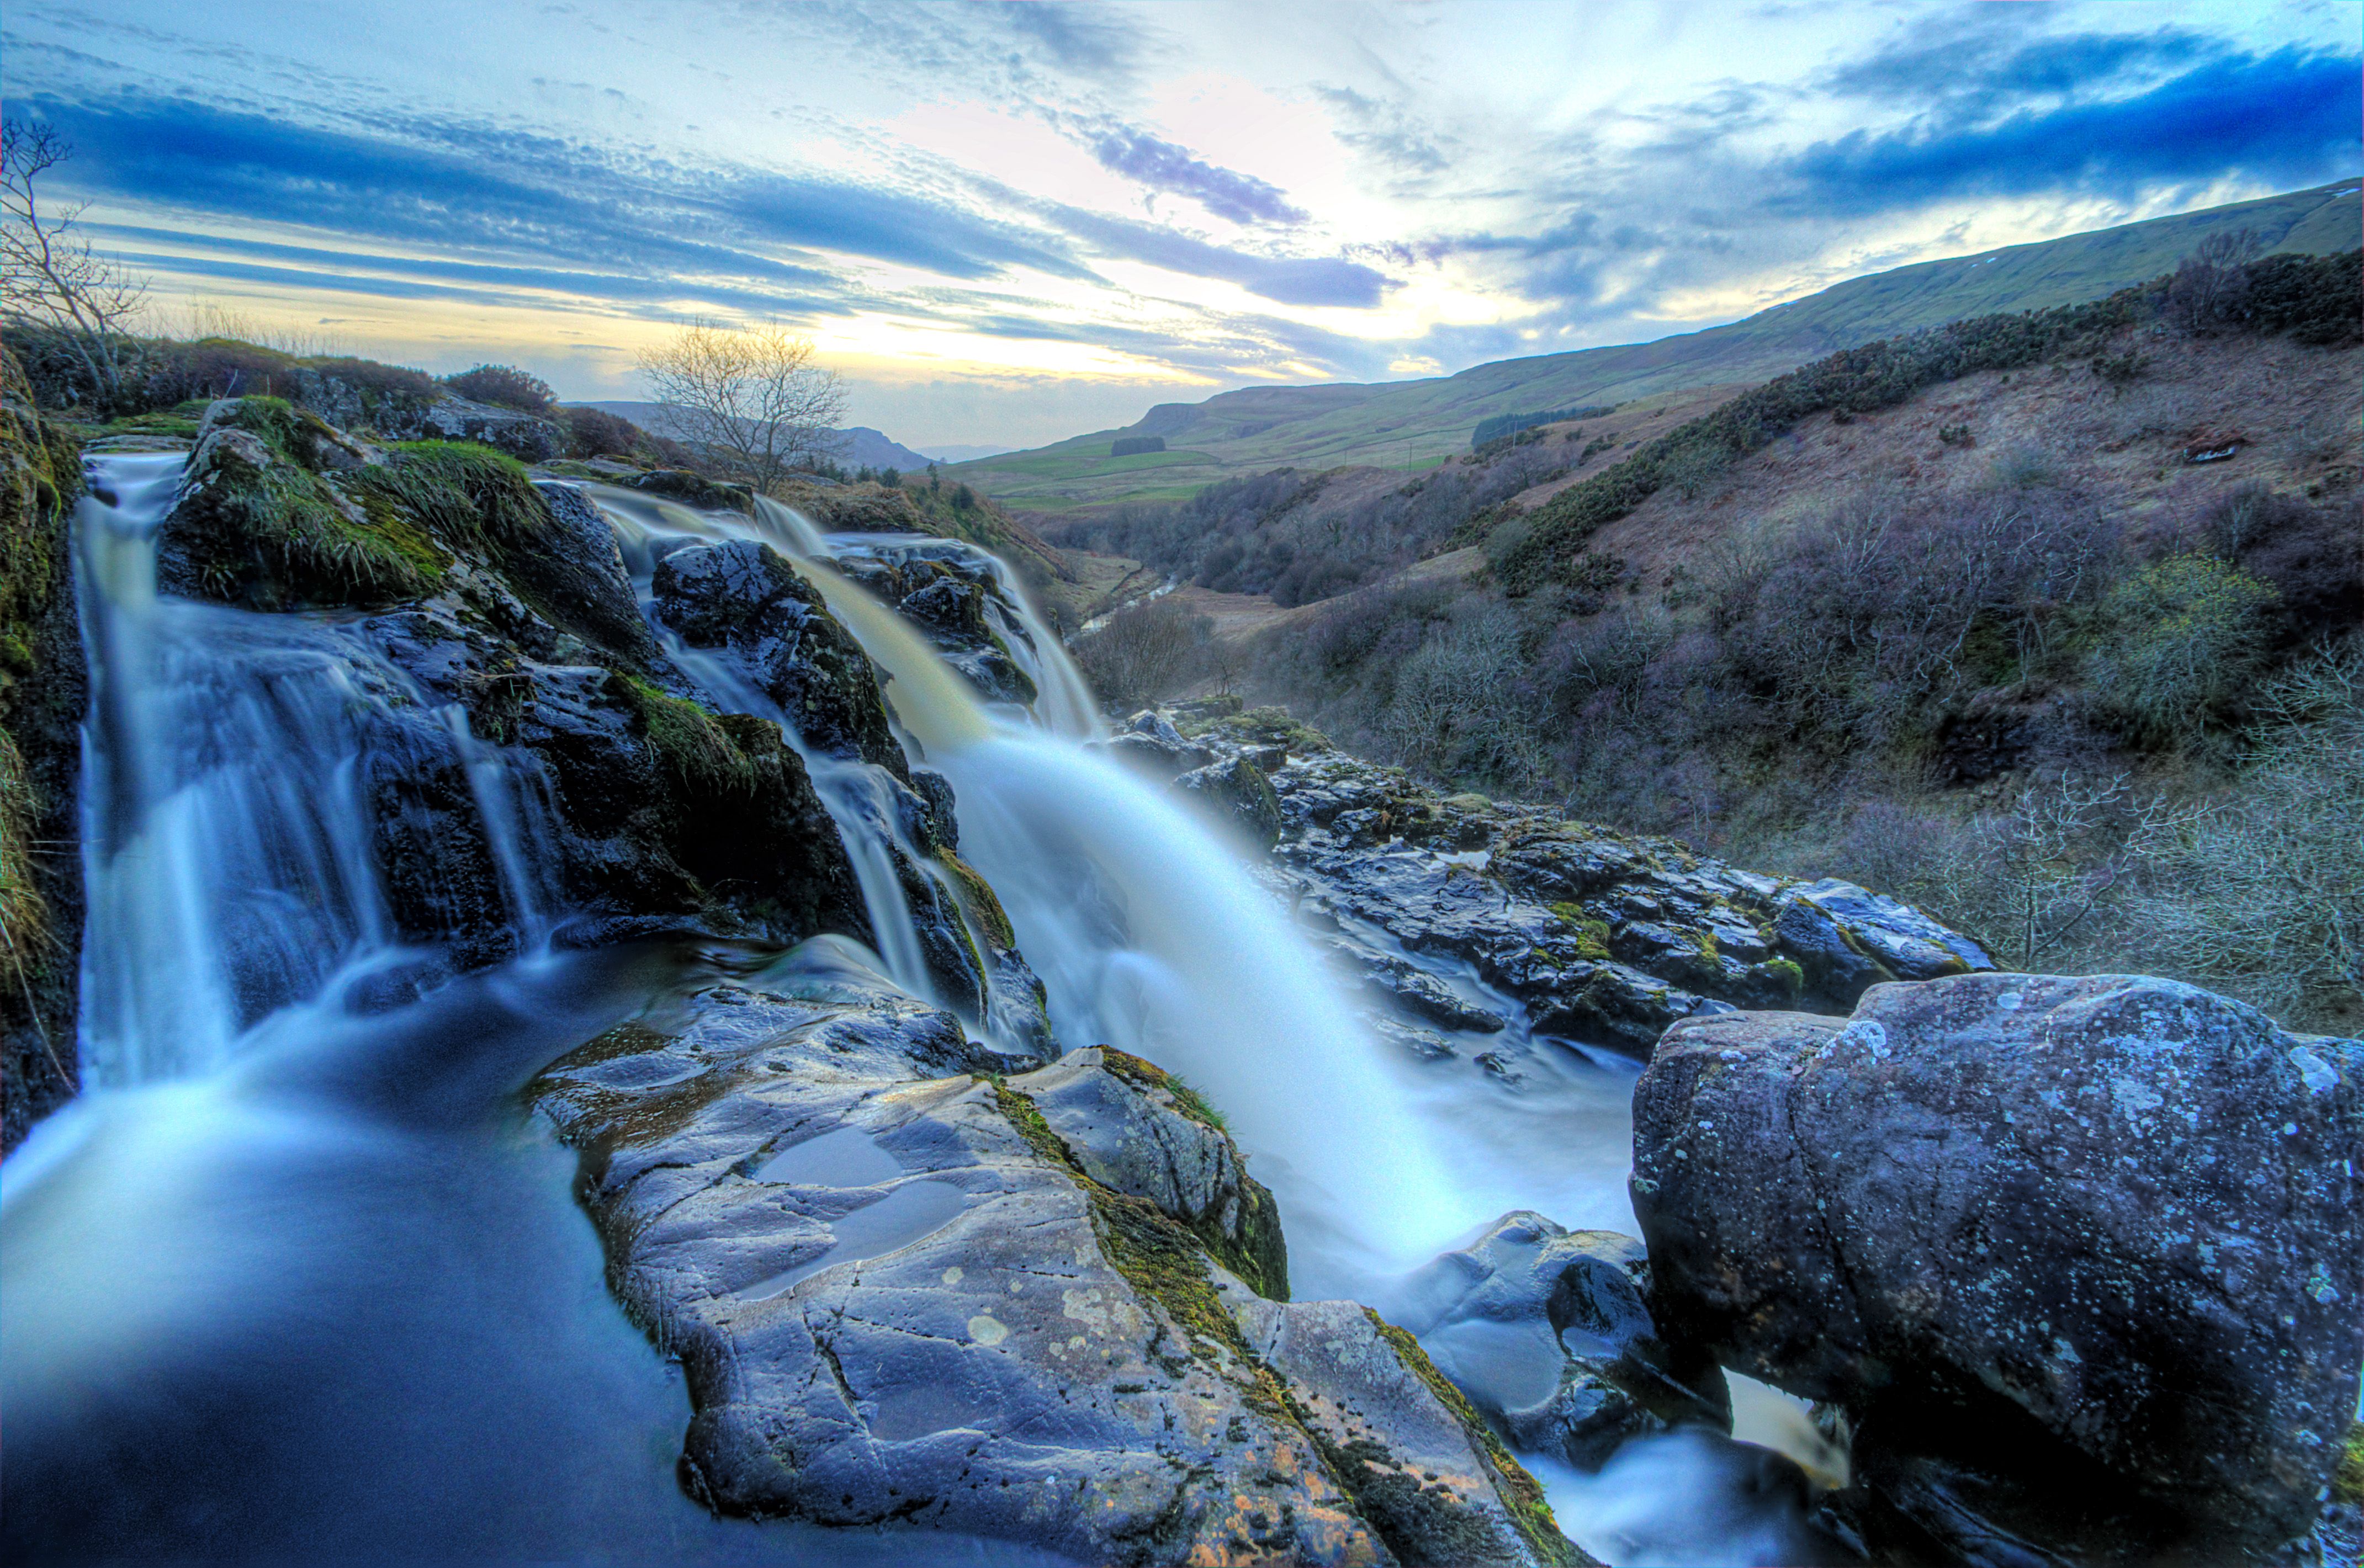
(1142, 653)
(2262, 896)
(752, 400)
(2211, 284)
(49, 274)
(1459, 710)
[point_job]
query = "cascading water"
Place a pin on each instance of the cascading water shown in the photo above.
(230, 866)
(272, 1059)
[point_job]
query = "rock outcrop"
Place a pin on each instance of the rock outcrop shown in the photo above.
(2082, 1258)
(1603, 938)
(403, 414)
(42, 687)
(902, 1297)
(950, 593)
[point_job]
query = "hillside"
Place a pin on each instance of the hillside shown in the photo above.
(864, 448)
(1411, 424)
(2061, 645)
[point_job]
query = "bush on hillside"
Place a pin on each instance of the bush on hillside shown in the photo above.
(1134, 446)
(505, 386)
(2314, 296)
(1144, 654)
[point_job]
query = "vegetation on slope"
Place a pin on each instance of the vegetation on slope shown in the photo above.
(1409, 425)
(1990, 643)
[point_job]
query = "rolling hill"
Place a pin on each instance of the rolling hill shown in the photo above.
(1411, 424)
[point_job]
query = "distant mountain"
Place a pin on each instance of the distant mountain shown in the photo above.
(1409, 424)
(964, 454)
(864, 447)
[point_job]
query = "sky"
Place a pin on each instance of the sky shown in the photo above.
(1004, 224)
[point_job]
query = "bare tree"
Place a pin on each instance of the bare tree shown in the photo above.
(1141, 653)
(2211, 284)
(49, 274)
(752, 399)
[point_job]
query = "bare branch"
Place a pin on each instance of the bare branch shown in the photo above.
(752, 399)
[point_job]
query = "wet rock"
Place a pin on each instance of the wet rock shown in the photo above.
(2082, 1257)
(1422, 993)
(745, 597)
(579, 575)
(1149, 744)
(1548, 1332)
(1135, 1129)
(900, 1301)
(1606, 939)
(1239, 793)
(943, 821)
(651, 807)
(694, 491)
(950, 592)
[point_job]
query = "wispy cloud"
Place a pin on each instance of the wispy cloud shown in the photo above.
(1373, 186)
(1162, 166)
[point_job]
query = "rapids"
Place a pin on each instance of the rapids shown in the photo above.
(294, 1207)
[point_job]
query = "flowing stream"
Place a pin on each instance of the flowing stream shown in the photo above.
(293, 1204)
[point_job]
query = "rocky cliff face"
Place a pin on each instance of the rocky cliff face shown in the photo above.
(43, 690)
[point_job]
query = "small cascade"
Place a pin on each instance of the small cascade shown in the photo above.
(231, 811)
(857, 795)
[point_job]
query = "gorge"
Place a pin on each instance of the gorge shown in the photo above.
(618, 1024)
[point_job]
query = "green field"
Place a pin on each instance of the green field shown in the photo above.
(1411, 424)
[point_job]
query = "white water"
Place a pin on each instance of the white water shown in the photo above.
(237, 916)
(228, 835)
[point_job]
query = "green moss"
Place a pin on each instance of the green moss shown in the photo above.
(474, 497)
(2348, 1481)
(280, 530)
(1591, 932)
(1522, 1494)
(693, 744)
(1787, 972)
(978, 901)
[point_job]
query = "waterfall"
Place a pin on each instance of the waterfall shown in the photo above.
(227, 829)
(1147, 930)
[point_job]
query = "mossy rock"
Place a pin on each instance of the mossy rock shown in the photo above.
(696, 491)
(1591, 932)
(259, 523)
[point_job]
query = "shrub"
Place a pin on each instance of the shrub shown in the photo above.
(1142, 653)
(378, 384)
(2262, 896)
(1133, 446)
(2188, 631)
(506, 386)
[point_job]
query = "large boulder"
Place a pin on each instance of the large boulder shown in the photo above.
(902, 1299)
(2082, 1257)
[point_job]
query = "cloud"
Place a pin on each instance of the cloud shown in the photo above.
(480, 188)
(1164, 166)
(1286, 280)
(2288, 117)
